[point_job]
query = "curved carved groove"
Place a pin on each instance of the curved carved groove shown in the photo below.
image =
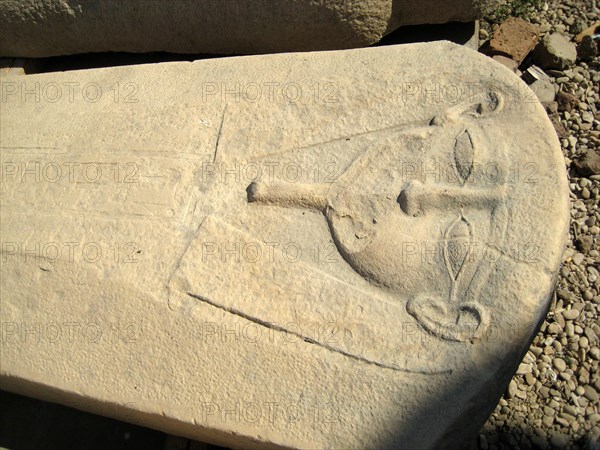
(491, 102)
(460, 323)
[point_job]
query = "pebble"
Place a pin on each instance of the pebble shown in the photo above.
(559, 440)
(571, 314)
(554, 328)
(585, 193)
(569, 329)
(529, 379)
(523, 369)
(564, 294)
(565, 376)
(571, 410)
(587, 117)
(590, 393)
(559, 364)
(512, 389)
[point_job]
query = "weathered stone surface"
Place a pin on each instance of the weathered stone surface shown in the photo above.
(37, 28)
(544, 91)
(514, 38)
(566, 101)
(555, 51)
(589, 164)
(587, 50)
(561, 132)
(357, 257)
(509, 63)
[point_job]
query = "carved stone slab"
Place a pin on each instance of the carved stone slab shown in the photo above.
(344, 249)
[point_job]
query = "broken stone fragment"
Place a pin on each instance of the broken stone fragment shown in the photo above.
(551, 108)
(542, 85)
(585, 243)
(555, 51)
(560, 129)
(587, 49)
(534, 73)
(566, 101)
(544, 90)
(345, 249)
(589, 164)
(514, 38)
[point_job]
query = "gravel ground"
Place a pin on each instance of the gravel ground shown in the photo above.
(552, 401)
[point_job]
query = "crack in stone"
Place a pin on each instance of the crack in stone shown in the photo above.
(219, 134)
(308, 340)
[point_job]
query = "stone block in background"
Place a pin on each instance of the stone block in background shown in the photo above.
(40, 28)
(514, 38)
(458, 32)
(555, 51)
(343, 249)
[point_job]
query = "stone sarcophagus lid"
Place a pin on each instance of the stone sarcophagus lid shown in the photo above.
(329, 250)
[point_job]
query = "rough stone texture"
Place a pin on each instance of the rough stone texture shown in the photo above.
(587, 50)
(37, 28)
(375, 286)
(561, 132)
(566, 101)
(544, 91)
(589, 164)
(555, 51)
(515, 38)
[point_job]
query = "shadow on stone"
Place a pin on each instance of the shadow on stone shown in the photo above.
(28, 424)
(457, 32)
(108, 59)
